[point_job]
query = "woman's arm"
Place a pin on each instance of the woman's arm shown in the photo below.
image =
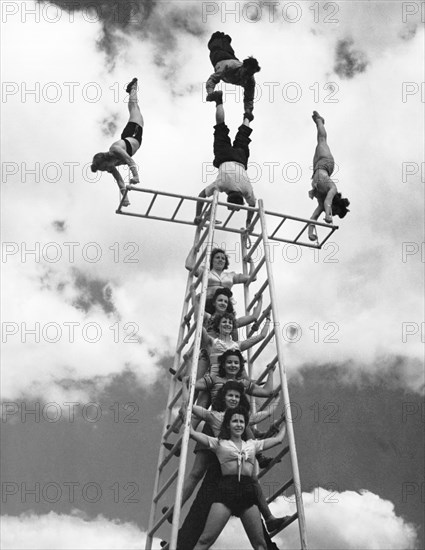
(248, 319)
(267, 389)
(246, 344)
(200, 437)
(241, 277)
(328, 203)
(124, 157)
(257, 417)
(273, 441)
(191, 260)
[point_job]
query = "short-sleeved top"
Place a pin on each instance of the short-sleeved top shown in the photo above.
(232, 177)
(225, 279)
(227, 451)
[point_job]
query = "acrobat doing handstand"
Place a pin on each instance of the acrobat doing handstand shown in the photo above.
(232, 163)
(122, 151)
(324, 189)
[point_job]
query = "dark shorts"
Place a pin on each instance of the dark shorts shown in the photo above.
(238, 496)
(224, 151)
(220, 48)
(132, 130)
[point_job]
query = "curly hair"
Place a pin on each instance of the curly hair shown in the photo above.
(341, 205)
(219, 403)
(223, 291)
(98, 159)
(222, 361)
(251, 65)
(218, 318)
(228, 415)
(234, 197)
(215, 251)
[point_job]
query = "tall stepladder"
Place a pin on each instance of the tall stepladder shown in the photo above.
(256, 240)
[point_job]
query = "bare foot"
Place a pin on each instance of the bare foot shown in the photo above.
(125, 201)
(315, 116)
(312, 235)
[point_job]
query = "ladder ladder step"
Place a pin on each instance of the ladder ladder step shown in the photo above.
(166, 485)
(281, 490)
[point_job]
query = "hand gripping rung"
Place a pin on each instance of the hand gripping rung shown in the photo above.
(263, 345)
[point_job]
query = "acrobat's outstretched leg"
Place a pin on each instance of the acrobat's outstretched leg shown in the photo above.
(322, 148)
(133, 104)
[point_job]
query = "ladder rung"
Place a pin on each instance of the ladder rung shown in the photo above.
(277, 228)
(281, 490)
(276, 459)
(263, 345)
(258, 294)
(166, 485)
(256, 270)
(300, 233)
(172, 452)
(229, 217)
(260, 319)
(175, 399)
(177, 209)
(186, 338)
(254, 247)
(266, 371)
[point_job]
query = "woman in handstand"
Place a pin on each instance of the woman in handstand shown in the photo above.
(122, 151)
(324, 189)
(237, 492)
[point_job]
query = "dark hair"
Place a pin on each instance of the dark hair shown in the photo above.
(97, 159)
(251, 65)
(219, 403)
(215, 251)
(218, 318)
(341, 205)
(228, 415)
(222, 360)
(223, 291)
(234, 197)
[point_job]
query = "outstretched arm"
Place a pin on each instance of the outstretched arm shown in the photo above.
(262, 415)
(200, 437)
(124, 157)
(246, 344)
(273, 441)
(199, 206)
(247, 319)
(328, 203)
(241, 277)
(267, 389)
(198, 411)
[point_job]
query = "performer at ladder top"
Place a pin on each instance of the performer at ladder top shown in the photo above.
(324, 189)
(122, 151)
(232, 163)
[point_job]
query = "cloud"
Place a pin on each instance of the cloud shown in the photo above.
(349, 61)
(340, 521)
(59, 531)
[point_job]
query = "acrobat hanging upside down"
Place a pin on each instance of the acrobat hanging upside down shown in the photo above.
(122, 151)
(324, 189)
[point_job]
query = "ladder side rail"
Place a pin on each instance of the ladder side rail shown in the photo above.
(247, 301)
(171, 394)
(197, 345)
(284, 384)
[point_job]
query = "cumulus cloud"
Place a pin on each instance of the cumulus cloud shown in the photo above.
(60, 531)
(340, 521)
